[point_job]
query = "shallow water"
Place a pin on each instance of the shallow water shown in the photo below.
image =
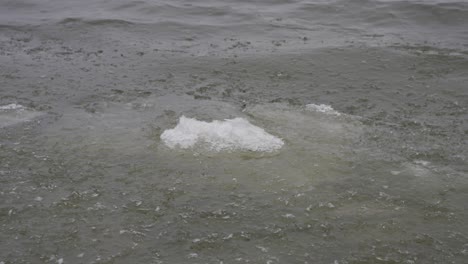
(86, 178)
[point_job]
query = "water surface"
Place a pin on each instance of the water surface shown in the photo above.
(85, 177)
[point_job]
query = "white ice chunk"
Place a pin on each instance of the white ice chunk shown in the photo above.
(230, 134)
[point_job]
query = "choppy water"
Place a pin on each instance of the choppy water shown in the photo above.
(88, 87)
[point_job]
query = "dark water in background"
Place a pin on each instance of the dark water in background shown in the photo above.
(84, 177)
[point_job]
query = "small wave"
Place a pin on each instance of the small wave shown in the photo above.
(431, 50)
(129, 5)
(230, 134)
(387, 13)
(167, 24)
(96, 22)
(429, 14)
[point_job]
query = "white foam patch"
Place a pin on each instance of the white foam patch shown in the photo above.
(13, 114)
(230, 134)
(11, 107)
(322, 108)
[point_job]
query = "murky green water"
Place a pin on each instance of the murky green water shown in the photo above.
(85, 178)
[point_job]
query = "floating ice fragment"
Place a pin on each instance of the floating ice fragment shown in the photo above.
(230, 134)
(322, 108)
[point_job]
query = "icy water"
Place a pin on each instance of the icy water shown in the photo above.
(233, 131)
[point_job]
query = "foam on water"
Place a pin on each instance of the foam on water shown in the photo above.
(13, 114)
(11, 107)
(323, 108)
(230, 134)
